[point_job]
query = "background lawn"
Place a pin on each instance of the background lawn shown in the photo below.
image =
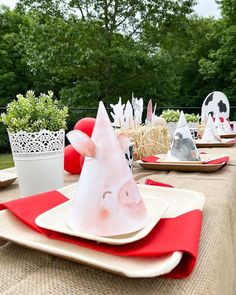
(6, 161)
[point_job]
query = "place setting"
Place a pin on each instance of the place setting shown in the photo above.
(224, 128)
(212, 135)
(107, 217)
(183, 154)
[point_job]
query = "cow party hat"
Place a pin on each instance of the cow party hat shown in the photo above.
(210, 133)
(183, 147)
(107, 200)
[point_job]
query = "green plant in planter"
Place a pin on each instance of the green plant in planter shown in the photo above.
(170, 115)
(192, 118)
(173, 116)
(32, 114)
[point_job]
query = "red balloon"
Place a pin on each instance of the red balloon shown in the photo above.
(86, 125)
(72, 160)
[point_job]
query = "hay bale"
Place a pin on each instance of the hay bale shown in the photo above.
(148, 140)
(200, 129)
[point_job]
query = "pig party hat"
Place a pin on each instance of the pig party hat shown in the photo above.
(210, 133)
(227, 127)
(219, 126)
(183, 147)
(107, 200)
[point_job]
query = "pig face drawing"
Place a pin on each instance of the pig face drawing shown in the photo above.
(107, 200)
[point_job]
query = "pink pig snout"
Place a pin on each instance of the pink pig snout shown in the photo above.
(129, 194)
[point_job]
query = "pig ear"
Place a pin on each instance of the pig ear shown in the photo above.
(124, 141)
(82, 143)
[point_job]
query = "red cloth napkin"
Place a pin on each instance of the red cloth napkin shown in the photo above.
(150, 159)
(170, 234)
(219, 160)
(149, 181)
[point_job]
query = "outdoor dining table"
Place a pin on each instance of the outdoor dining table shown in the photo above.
(27, 271)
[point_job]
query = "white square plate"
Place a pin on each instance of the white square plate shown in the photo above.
(56, 220)
(6, 179)
(224, 143)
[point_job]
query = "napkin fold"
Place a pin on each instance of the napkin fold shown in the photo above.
(218, 161)
(149, 181)
(151, 159)
(169, 235)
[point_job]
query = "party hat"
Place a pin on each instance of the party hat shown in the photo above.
(183, 147)
(107, 200)
(210, 133)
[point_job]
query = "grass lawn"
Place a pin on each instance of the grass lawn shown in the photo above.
(6, 161)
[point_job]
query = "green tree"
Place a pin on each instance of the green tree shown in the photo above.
(99, 52)
(186, 42)
(219, 66)
(14, 76)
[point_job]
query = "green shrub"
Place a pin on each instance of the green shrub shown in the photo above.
(32, 114)
(173, 116)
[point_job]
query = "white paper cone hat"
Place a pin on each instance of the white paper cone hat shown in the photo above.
(234, 127)
(107, 200)
(149, 113)
(128, 115)
(227, 128)
(183, 147)
(210, 133)
(219, 126)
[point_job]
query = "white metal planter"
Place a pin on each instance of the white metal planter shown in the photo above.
(39, 160)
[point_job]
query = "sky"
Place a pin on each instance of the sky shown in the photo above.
(203, 8)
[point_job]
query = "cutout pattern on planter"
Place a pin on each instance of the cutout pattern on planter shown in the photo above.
(34, 145)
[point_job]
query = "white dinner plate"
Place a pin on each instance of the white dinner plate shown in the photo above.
(205, 158)
(193, 166)
(56, 220)
(6, 178)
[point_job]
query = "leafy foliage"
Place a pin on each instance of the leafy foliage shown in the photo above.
(86, 51)
(218, 67)
(173, 116)
(32, 114)
(13, 70)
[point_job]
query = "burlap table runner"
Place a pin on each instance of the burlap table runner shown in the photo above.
(25, 271)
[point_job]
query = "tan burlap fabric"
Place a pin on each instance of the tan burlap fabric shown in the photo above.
(25, 271)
